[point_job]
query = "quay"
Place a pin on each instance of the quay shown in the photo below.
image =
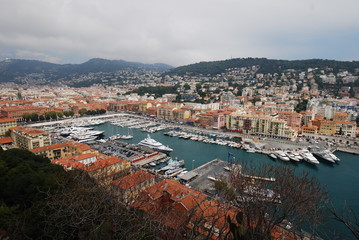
(259, 178)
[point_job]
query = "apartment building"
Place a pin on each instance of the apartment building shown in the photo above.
(18, 111)
(6, 124)
(102, 168)
(62, 150)
(293, 119)
(128, 187)
(29, 138)
(165, 112)
(341, 128)
(260, 125)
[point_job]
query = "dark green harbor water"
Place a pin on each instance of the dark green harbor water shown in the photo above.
(341, 180)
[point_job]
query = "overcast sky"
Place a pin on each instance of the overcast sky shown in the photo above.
(178, 32)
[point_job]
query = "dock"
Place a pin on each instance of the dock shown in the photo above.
(259, 178)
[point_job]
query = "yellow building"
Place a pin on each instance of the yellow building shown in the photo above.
(181, 114)
(6, 124)
(62, 150)
(259, 125)
(310, 129)
(29, 138)
(165, 112)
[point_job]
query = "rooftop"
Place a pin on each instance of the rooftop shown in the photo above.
(133, 179)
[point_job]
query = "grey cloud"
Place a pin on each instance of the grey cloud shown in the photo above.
(173, 32)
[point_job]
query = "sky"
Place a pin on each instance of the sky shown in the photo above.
(178, 32)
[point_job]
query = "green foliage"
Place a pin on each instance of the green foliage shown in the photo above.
(23, 176)
(96, 112)
(158, 91)
(301, 106)
(82, 111)
(39, 200)
(68, 113)
(25, 180)
(186, 86)
(266, 65)
(228, 192)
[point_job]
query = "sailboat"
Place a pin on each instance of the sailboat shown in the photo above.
(128, 136)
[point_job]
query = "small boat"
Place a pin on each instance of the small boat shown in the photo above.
(273, 156)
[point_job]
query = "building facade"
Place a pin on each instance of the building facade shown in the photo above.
(29, 138)
(6, 124)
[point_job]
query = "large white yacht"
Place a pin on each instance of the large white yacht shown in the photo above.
(151, 143)
(307, 156)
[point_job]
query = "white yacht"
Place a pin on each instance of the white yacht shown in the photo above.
(151, 143)
(282, 156)
(307, 156)
(292, 157)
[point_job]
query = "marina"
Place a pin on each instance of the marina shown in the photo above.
(338, 178)
(199, 146)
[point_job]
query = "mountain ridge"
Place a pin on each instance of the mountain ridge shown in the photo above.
(12, 68)
(266, 65)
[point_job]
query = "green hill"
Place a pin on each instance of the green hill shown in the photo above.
(266, 65)
(12, 68)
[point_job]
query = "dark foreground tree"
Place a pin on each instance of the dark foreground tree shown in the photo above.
(82, 209)
(280, 198)
(349, 218)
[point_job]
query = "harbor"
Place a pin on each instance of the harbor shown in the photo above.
(338, 178)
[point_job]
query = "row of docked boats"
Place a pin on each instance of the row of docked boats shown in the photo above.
(202, 138)
(80, 134)
(173, 167)
(305, 155)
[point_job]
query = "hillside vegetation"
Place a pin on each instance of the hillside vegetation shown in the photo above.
(266, 65)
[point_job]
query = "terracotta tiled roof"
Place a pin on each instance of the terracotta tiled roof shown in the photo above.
(133, 179)
(53, 146)
(5, 140)
(5, 120)
(28, 130)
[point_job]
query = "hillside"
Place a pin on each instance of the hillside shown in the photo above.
(266, 65)
(11, 69)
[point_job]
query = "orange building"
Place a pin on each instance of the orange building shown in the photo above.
(102, 168)
(293, 119)
(18, 111)
(128, 187)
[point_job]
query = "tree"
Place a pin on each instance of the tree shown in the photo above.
(26, 116)
(39, 200)
(186, 86)
(291, 200)
(301, 106)
(68, 113)
(347, 217)
(82, 111)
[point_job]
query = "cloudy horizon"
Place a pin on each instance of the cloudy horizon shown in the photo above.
(178, 33)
